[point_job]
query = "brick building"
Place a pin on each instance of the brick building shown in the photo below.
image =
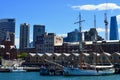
(8, 51)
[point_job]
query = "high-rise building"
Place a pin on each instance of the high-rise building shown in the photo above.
(7, 25)
(73, 36)
(24, 36)
(113, 29)
(38, 30)
(92, 35)
(46, 42)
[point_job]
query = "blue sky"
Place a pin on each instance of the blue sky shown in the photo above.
(59, 15)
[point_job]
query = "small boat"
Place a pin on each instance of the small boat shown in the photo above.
(50, 70)
(44, 71)
(18, 69)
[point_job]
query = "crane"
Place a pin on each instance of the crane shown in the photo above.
(106, 26)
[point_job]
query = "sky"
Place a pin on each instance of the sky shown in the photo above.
(59, 16)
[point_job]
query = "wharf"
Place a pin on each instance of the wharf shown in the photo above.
(4, 70)
(32, 69)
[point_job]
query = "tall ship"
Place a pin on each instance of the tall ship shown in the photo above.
(87, 69)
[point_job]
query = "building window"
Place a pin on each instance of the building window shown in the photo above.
(39, 30)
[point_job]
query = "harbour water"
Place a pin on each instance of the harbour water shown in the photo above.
(37, 76)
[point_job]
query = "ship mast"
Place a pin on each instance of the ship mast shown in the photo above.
(80, 30)
(80, 41)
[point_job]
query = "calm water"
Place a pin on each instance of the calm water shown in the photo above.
(36, 76)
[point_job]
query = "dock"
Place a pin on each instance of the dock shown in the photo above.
(32, 69)
(4, 70)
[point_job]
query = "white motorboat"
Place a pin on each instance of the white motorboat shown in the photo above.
(18, 69)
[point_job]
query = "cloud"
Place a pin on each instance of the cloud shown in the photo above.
(100, 30)
(63, 35)
(103, 6)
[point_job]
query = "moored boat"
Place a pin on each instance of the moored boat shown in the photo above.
(4, 70)
(94, 69)
(17, 69)
(97, 70)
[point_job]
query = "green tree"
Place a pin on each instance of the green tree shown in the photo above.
(22, 55)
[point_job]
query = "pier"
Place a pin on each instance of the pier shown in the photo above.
(32, 69)
(4, 70)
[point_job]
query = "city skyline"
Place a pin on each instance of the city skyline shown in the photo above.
(59, 16)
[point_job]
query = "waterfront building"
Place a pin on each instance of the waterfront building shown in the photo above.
(8, 51)
(72, 58)
(67, 47)
(46, 42)
(38, 30)
(89, 46)
(24, 36)
(7, 25)
(114, 29)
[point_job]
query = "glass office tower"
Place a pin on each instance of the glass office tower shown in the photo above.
(7, 25)
(113, 29)
(38, 30)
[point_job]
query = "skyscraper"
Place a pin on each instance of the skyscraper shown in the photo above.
(73, 36)
(24, 36)
(38, 30)
(47, 41)
(113, 29)
(92, 35)
(7, 25)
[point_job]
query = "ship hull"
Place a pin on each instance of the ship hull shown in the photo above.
(82, 72)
